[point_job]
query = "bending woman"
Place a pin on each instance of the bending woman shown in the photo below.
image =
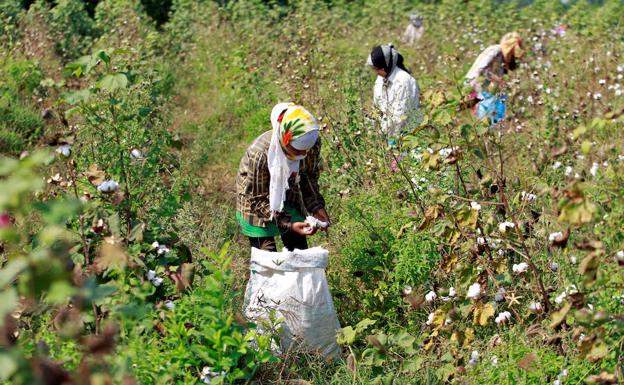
(277, 182)
(396, 94)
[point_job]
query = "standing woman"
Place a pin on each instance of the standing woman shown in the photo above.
(396, 94)
(277, 182)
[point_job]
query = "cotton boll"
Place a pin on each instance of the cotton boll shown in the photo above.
(573, 259)
(474, 291)
(407, 290)
(136, 154)
(500, 294)
(169, 305)
(151, 275)
(554, 266)
(474, 358)
(502, 227)
(64, 150)
(431, 296)
(560, 298)
(568, 171)
(503, 317)
(594, 169)
(475, 206)
(452, 292)
(556, 165)
(520, 268)
(430, 318)
(535, 307)
(494, 361)
(554, 236)
(155, 244)
(481, 241)
(157, 281)
(162, 249)
(528, 197)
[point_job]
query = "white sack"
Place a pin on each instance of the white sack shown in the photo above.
(294, 285)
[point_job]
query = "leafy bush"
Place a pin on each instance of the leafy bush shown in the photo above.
(74, 27)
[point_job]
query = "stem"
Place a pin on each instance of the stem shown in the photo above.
(124, 172)
(83, 239)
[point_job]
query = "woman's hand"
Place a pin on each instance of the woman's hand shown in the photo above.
(303, 228)
(321, 215)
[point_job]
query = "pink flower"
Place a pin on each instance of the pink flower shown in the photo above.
(5, 220)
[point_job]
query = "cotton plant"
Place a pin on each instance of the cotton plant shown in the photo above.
(504, 226)
(431, 296)
(502, 318)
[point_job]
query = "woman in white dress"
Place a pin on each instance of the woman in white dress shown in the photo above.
(396, 94)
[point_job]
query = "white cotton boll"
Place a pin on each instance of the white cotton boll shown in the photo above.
(594, 169)
(475, 206)
(619, 92)
(151, 275)
(474, 291)
(481, 241)
(169, 305)
(602, 82)
(64, 150)
(554, 267)
(605, 163)
(535, 306)
(430, 318)
(501, 252)
(452, 292)
(568, 170)
(431, 296)
(445, 152)
(155, 245)
(108, 186)
(474, 358)
(502, 227)
(503, 317)
(556, 165)
(136, 154)
(597, 96)
(560, 298)
(620, 68)
(157, 281)
(528, 197)
(530, 99)
(500, 294)
(407, 290)
(494, 361)
(573, 259)
(520, 268)
(448, 321)
(554, 236)
(162, 249)
(315, 222)
(620, 254)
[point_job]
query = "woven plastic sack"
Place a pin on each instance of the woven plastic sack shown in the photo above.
(294, 286)
(492, 107)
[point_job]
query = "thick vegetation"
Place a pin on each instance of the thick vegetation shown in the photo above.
(477, 254)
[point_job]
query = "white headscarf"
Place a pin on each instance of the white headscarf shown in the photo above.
(280, 167)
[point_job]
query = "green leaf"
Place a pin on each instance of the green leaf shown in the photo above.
(76, 96)
(560, 315)
(363, 324)
(598, 351)
(59, 292)
(112, 82)
(586, 147)
(8, 301)
(8, 365)
(578, 132)
(346, 336)
(12, 269)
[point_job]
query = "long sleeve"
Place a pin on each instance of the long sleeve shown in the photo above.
(258, 190)
(308, 182)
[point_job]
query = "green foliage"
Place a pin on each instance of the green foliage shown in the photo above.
(73, 26)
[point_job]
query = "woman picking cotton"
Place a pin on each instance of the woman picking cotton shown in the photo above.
(494, 62)
(277, 182)
(396, 94)
(486, 75)
(414, 30)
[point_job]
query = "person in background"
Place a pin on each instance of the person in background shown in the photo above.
(396, 94)
(487, 72)
(494, 62)
(415, 29)
(277, 181)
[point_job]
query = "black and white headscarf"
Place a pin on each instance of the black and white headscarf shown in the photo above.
(386, 57)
